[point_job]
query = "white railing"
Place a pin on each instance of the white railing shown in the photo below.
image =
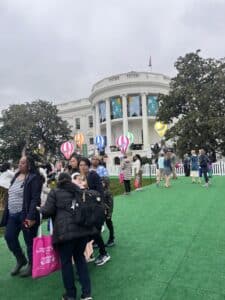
(150, 170)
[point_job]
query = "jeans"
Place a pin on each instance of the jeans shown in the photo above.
(74, 248)
(12, 231)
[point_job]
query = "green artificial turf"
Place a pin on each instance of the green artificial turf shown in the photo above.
(118, 189)
(170, 245)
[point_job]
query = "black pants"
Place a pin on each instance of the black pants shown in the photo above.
(186, 170)
(204, 171)
(12, 231)
(109, 224)
(127, 186)
(99, 241)
(74, 248)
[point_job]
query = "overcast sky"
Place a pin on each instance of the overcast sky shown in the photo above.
(57, 49)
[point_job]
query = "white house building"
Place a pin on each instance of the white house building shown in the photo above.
(79, 115)
(116, 105)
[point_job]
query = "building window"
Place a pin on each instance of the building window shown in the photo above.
(90, 121)
(152, 105)
(116, 108)
(91, 141)
(102, 111)
(77, 123)
(134, 107)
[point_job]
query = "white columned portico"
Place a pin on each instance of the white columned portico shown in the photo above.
(108, 124)
(145, 121)
(125, 118)
(97, 120)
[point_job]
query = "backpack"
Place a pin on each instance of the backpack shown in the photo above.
(89, 210)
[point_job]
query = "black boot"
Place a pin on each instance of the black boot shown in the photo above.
(26, 272)
(21, 261)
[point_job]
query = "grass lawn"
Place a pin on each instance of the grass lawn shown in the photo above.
(118, 189)
(170, 245)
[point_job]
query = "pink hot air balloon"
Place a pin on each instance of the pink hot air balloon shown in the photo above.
(123, 143)
(67, 149)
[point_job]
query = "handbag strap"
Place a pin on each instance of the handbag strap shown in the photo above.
(50, 226)
(40, 226)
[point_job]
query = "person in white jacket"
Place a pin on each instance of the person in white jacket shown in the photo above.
(137, 172)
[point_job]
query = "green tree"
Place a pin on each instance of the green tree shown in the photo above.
(29, 125)
(195, 105)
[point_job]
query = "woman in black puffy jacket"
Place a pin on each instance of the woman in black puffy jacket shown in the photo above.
(69, 237)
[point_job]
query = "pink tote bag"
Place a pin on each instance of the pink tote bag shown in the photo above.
(45, 258)
(121, 177)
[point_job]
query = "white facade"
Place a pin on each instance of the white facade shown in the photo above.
(78, 110)
(119, 104)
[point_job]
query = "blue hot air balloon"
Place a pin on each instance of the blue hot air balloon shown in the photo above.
(99, 142)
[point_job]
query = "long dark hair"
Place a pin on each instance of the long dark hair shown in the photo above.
(31, 165)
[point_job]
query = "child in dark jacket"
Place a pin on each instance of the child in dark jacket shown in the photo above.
(108, 202)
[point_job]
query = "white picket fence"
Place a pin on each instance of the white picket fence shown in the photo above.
(150, 170)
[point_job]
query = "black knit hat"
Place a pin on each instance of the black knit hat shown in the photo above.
(64, 177)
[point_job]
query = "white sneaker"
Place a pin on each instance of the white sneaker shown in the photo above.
(206, 185)
(102, 259)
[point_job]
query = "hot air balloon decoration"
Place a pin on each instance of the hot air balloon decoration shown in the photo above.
(99, 142)
(79, 139)
(67, 149)
(122, 142)
(160, 128)
(130, 137)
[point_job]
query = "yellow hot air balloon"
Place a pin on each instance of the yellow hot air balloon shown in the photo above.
(160, 128)
(79, 139)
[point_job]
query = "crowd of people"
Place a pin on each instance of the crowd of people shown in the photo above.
(53, 191)
(195, 165)
(50, 191)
